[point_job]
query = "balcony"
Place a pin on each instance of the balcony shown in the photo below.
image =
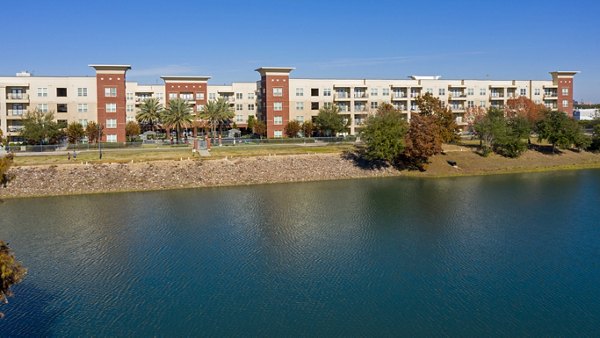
(341, 96)
(497, 96)
(15, 112)
(17, 97)
(550, 96)
(14, 129)
(360, 109)
(399, 95)
(457, 108)
(415, 94)
(457, 96)
(360, 95)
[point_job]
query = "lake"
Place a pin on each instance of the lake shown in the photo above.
(499, 255)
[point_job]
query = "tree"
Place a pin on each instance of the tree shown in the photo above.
(5, 164)
(330, 122)
(132, 130)
(595, 144)
(217, 112)
(423, 140)
(504, 135)
(558, 129)
(384, 134)
(150, 113)
(430, 105)
(12, 272)
(488, 127)
(292, 128)
(40, 128)
(75, 132)
(251, 122)
(523, 106)
(91, 131)
(308, 128)
(260, 128)
(178, 115)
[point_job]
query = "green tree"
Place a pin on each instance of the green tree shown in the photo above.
(5, 164)
(330, 122)
(422, 140)
(308, 128)
(292, 128)
(488, 127)
(91, 131)
(12, 272)
(559, 130)
(505, 136)
(251, 122)
(75, 132)
(178, 115)
(132, 130)
(40, 128)
(430, 105)
(260, 128)
(595, 144)
(151, 112)
(384, 134)
(217, 112)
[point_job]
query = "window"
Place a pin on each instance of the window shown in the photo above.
(239, 106)
(187, 96)
(42, 107)
(110, 92)
(523, 92)
(111, 107)
(129, 108)
(300, 118)
(470, 104)
(565, 91)
(42, 92)
(278, 120)
(565, 103)
(61, 108)
(536, 91)
(314, 105)
(328, 105)
(212, 96)
(314, 92)
(159, 96)
(482, 104)
(385, 92)
(239, 118)
(129, 96)
(61, 92)
(251, 106)
(111, 138)
(130, 118)
(470, 91)
(277, 91)
(82, 92)
(82, 107)
(278, 134)
(239, 96)
(83, 123)
(327, 92)
(429, 90)
(482, 92)
(199, 107)
(373, 105)
(442, 91)
(299, 105)
(277, 106)
(250, 96)
(111, 123)
(374, 92)
(199, 96)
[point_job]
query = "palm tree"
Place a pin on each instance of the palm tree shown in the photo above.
(150, 112)
(217, 112)
(178, 115)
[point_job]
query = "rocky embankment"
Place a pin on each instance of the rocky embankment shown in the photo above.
(69, 179)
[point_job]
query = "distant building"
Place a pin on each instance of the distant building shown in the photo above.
(110, 100)
(586, 114)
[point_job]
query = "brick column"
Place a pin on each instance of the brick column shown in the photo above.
(110, 89)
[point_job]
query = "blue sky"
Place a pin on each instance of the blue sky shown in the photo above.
(325, 39)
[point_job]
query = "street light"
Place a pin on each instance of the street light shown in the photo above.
(100, 140)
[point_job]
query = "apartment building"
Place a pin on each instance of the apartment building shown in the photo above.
(107, 98)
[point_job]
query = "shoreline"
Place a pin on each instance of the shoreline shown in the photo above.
(86, 179)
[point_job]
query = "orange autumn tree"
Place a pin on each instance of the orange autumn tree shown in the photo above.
(524, 107)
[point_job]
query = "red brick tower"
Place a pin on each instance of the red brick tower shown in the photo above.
(274, 99)
(111, 99)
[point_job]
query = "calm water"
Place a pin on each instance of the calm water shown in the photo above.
(509, 255)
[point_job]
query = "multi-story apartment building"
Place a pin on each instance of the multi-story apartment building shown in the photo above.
(276, 98)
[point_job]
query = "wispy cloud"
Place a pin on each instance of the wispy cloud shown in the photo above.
(165, 70)
(388, 60)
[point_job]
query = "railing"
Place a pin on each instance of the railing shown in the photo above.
(16, 112)
(14, 129)
(17, 96)
(414, 94)
(399, 95)
(342, 95)
(497, 96)
(360, 95)
(457, 95)
(360, 108)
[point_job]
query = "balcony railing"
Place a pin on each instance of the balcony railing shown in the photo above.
(361, 95)
(400, 95)
(497, 96)
(16, 112)
(14, 129)
(342, 96)
(457, 95)
(17, 96)
(415, 94)
(360, 108)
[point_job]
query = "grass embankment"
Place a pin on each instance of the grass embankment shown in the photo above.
(177, 153)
